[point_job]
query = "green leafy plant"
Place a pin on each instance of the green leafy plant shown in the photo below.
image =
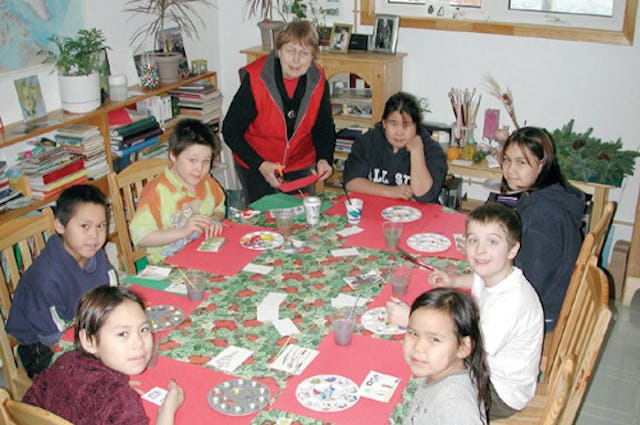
(179, 12)
(76, 56)
(586, 158)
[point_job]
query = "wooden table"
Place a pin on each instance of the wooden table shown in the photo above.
(480, 170)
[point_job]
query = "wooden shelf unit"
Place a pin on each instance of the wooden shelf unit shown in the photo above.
(382, 72)
(54, 120)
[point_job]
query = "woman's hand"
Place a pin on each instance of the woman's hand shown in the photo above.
(324, 169)
(270, 171)
(398, 312)
(415, 145)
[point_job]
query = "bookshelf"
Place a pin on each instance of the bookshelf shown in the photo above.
(360, 107)
(17, 132)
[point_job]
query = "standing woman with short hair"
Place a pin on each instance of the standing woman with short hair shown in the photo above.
(279, 124)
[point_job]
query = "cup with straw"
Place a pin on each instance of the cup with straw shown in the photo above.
(344, 323)
(194, 283)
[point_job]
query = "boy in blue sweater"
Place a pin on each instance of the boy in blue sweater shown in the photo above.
(71, 264)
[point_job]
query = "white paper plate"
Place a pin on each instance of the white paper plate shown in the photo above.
(429, 242)
(262, 240)
(327, 393)
(377, 321)
(401, 213)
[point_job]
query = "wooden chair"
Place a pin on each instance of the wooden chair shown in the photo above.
(591, 245)
(16, 413)
(584, 334)
(546, 406)
(21, 240)
(125, 189)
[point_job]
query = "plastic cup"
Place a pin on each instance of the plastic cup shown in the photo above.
(284, 220)
(195, 285)
(400, 277)
(343, 324)
(354, 210)
(392, 232)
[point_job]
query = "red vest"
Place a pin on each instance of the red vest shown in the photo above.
(267, 134)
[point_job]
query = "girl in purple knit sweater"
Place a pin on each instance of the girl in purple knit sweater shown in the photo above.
(90, 385)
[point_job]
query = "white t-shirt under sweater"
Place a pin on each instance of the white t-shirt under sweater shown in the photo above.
(512, 325)
(451, 400)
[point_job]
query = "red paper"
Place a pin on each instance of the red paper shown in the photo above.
(298, 184)
(197, 381)
(354, 362)
(433, 220)
(230, 260)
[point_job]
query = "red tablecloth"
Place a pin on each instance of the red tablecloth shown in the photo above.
(354, 362)
(433, 220)
(230, 260)
(197, 381)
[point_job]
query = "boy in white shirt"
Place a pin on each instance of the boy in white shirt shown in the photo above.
(511, 317)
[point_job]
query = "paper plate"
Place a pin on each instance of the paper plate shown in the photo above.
(239, 397)
(327, 393)
(429, 242)
(401, 213)
(163, 317)
(262, 240)
(377, 321)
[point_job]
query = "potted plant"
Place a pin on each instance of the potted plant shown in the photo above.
(178, 12)
(77, 60)
(268, 27)
(583, 157)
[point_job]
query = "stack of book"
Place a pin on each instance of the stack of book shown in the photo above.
(133, 137)
(85, 140)
(51, 170)
(346, 137)
(6, 192)
(199, 100)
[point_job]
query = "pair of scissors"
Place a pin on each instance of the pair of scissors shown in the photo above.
(280, 169)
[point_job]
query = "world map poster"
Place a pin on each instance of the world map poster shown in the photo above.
(26, 25)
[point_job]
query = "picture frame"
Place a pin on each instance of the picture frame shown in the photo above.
(385, 33)
(340, 36)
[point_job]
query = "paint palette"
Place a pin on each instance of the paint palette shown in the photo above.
(163, 317)
(239, 397)
(401, 213)
(429, 242)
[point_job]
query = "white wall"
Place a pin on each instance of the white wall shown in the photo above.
(552, 81)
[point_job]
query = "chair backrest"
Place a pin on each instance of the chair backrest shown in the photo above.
(567, 304)
(591, 246)
(584, 334)
(559, 392)
(16, 413)
(125, 189)
(21, 240)
(601, 229)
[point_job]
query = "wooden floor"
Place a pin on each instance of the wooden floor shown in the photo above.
(614, 395)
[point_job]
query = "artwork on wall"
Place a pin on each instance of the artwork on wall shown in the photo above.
(385, 33)
(40, 20)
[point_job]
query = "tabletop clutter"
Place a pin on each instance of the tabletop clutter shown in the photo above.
(282, 334)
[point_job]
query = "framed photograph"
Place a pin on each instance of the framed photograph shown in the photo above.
(385, 33)
(340, 36)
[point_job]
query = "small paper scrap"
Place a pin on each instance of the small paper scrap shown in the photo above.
(344, 252)
(348, 231)
(378, 386)
(344, 300)
(257, 268)
(155, 395)
(285, 327)
(154, 273)
(229, 359)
